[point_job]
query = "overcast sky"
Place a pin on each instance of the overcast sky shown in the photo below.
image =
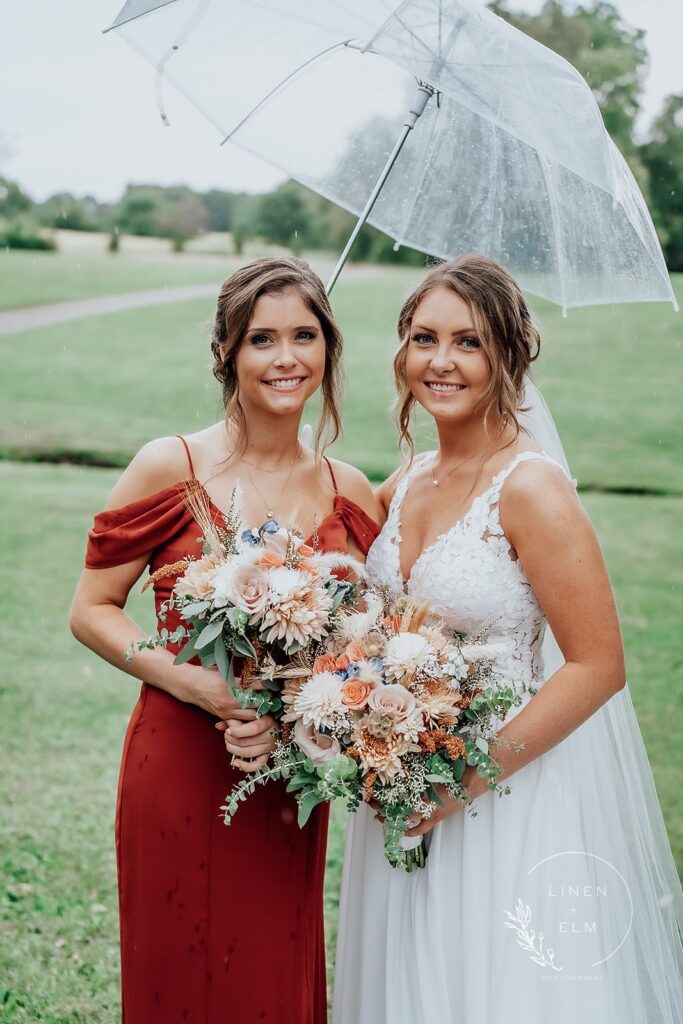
(78, 114)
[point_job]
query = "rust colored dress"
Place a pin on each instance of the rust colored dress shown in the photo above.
(219, 925)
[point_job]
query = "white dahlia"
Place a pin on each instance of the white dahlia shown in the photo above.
(319, 701)
(405, 654)
(298, 607)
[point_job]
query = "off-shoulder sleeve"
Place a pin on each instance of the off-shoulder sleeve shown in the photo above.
(354, 522)
(121, 535)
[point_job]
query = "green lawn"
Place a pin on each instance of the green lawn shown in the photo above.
(31, 278)
(63, 715)
(103, 386)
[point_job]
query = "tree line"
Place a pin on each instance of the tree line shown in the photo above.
(610, 54)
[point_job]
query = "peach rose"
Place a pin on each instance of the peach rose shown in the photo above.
(341, 663)
(308, 566)
(249, 586)
(276, 542)
(271, 560)
(355, 651)
(392, 700)
(325, 663)
(317, 745)
(355, 693)
(305, 550)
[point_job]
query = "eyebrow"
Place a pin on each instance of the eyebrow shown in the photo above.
(273, 330)
(430, 330)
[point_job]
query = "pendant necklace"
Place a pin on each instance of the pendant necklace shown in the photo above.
(271, 507)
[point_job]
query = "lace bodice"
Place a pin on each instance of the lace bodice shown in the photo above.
(470, 577)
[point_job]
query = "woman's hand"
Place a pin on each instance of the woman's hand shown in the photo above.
(250, 743)
(450, 806)
(207, 689)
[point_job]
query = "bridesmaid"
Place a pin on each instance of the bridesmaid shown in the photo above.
(221, 924)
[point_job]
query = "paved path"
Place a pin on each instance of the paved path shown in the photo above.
(13, 321)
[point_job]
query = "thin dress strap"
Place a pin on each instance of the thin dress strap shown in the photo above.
(334, 481)
(189, 457)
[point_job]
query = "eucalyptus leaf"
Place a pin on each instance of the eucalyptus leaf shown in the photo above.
(208, 635)
(244, 646)
(309, 799)
(187, 652)
(222, 657)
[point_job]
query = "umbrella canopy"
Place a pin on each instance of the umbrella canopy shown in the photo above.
(510, 156)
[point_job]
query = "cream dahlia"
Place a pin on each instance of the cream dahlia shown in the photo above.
(298, 607)
(319, 702)
(405, 654)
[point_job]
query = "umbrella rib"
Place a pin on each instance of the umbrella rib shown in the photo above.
(559, 256)
(276, 88)
(127, 21)
(418, 190)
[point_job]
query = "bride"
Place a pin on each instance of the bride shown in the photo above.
(559, 899)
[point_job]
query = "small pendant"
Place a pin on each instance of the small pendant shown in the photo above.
(435, 482)
(270, 514)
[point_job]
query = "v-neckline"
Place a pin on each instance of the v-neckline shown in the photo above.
(398, 540)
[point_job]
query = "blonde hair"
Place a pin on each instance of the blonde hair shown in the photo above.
(235, 307)
(509, 337)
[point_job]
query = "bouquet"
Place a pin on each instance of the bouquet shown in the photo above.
(395, 707)
(258, 599)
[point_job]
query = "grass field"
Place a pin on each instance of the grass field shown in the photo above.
(102, 387)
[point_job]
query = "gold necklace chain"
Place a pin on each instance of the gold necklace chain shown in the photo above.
(437, 483)
(271, 507)
(281, 469)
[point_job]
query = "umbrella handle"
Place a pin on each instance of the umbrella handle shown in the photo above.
(422, 98)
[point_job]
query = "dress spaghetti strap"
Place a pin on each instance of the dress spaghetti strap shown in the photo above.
(189, 457)
(334, 481)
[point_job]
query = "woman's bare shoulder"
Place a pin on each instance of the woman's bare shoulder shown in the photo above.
(158, 464)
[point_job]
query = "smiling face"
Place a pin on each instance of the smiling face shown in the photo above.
(446, 367)
(280, 361)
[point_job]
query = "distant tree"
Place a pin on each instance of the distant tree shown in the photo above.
(138, 211)
(284, 217)
(663, 157)
(64, 210)
(182, 218)
(13, 201)
(220, 207)
(609, 53)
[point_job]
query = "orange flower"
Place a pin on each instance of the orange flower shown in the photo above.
(393, 622)
(356, 651)
(342, 662)
(325, 663)
(355, 693)
(306, 551)
(271, 560)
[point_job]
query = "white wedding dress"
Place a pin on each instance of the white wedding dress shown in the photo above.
(554, 904)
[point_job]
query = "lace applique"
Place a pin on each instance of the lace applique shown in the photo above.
(470, 577)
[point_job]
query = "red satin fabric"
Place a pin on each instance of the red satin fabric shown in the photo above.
(219, 925)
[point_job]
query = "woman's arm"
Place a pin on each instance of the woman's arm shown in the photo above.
(552, 535)
(98, 619)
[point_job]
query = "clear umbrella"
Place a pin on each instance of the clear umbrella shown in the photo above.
(435, 120)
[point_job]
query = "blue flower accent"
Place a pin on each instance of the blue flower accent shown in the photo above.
(255, 537)
(251, 537)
